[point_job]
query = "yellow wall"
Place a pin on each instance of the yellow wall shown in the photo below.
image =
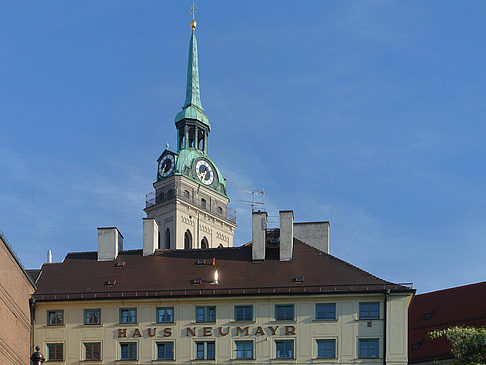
(346, 329)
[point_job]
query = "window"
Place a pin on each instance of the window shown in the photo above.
(368, 348)
(244, 349)
(165, 315)
(285, 349)
(128, 351)
(54, 352)
(187, 240)
(170, 194)
(55, 318)
(203, 203)
(206, 314)
(243, 313)
(167, 238)
(326, 349)
(128, 315)
(92, 316)
(369, 310)
(326, 312)
(204, 243)
(205, 350)
(284, 312)
(92, 351)
(165, 350)
(220, 210)
(186, 194)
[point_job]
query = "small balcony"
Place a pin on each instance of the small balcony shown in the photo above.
(227, 213)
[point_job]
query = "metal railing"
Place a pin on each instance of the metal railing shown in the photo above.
(227, 213)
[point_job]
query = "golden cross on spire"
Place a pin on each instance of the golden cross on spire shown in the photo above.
(193, 12)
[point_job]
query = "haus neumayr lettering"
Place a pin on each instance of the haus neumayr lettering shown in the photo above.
(209, 331)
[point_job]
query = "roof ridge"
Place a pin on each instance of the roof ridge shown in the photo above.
(450, 289)
(342, 261)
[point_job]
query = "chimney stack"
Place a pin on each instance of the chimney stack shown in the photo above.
(258, 235)
(49, 256)
(150, 236)
(110, 243)
(315, 234)
(286, 234)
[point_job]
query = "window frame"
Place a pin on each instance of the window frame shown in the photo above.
(326, 319)
(322, 340)
(365, 315)
(85, 352)
(284, 305)
(205, 350)
(251, 342)
(207, 313)
(369, 340)
(86, 310)
(239, 306)
(48, 352)
(164, 343)
(127, 309)
(129, 343)
(55, 316)
(164, 308)
(284, 341)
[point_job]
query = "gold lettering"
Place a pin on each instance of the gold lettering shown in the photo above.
(207, 331)
(221, 333)
(259, 331)
(273, 329)
(136, 333)
(122, 332)
(242, 330)
(289, 330)
(191, 330)
(168, 332)
(149, 330)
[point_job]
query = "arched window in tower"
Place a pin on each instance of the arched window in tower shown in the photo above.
(160, 196)
(200, 139)
(203, 203)
(187, 240)
(204, 243)
(167, 238)
(186, 194)
(192, 136)
(220, 211)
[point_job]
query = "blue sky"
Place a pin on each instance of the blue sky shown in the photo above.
(370, 114)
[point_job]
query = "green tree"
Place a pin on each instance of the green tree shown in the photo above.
(468, 344)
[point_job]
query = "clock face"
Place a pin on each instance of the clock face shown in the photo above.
(204, 172)
(166, 165)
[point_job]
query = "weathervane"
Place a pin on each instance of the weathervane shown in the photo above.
(193, 12)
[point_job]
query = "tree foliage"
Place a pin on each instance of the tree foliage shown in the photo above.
(468, 344)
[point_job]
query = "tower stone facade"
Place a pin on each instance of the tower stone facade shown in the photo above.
(190, 202)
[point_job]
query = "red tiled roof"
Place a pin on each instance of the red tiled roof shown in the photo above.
(464, 305)
(170, 273)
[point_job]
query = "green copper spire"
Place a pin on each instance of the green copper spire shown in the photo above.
(192, 108)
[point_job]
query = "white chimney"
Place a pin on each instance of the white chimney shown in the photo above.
(315, 234)
(49, 256)
(110, 243)
(286, 234)
(258, 235)
(150, 236)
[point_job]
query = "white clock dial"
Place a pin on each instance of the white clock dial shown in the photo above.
(166, 165)
(204, 172)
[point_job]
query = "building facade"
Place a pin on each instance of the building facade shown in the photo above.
(16, 287)
(190, 297)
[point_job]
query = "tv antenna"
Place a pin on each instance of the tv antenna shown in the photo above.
(257, 201)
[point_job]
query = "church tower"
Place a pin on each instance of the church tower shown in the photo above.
(190, 201)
